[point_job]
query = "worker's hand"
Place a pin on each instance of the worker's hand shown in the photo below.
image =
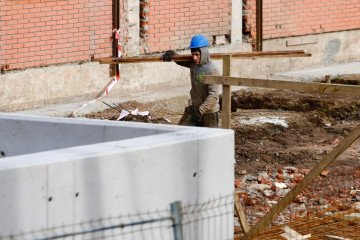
(168, 56)
(196, 117)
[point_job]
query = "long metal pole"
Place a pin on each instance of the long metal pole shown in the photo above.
(259, 25)
(116, 25)
(101, 229)
(177, 220)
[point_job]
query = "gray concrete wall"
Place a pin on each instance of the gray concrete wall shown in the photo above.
(69, 83)
(27, 135)
(141, 173)
(327, 49)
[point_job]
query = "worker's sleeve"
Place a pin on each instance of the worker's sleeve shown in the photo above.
(184, 64)
(211, 100)
(213, 95)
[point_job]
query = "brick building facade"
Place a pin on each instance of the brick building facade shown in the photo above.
(45, 32)
(286, 18)
(173, 23)
(38, 33)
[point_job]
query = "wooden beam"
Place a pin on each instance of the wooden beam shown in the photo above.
(226, 123)
(226, 94)
(188, 57)
(314, 173)
(240, 213)
(339, 89)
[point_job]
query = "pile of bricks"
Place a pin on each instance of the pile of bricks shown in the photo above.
(262, 191)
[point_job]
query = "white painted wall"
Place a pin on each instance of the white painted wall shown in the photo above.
(236, 22)
(137, 173)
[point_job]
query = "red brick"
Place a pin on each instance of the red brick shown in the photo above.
(77, 17)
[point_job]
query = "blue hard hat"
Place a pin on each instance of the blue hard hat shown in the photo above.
(199, 41)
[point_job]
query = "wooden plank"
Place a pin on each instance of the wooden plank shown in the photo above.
(188, 57)
(339, 89)
(291, 234)
(226, 94)
(226, 123)
(240, 213)
(314, 173)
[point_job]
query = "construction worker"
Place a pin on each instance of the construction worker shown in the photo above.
(204, 108)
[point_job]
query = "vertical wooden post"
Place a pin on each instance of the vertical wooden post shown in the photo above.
(226, 123)
(259, 25)
(240, 213)
(226, 94)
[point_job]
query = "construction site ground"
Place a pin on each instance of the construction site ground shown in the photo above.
(280, 136)
(273, 128)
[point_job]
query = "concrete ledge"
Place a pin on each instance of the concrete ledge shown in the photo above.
(39, 87)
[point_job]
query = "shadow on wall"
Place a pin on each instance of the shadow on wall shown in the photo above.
(331, 48)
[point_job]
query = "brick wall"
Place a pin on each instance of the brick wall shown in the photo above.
(172, 23)
(43, 32)
(284, 18)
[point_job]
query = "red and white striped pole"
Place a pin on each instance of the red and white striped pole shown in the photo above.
(112, 83)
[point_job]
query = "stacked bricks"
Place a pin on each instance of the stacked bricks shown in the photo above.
(284, 18)
(44, 32)
(172, 23)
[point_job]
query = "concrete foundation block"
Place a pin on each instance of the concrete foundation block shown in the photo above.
(65, 172)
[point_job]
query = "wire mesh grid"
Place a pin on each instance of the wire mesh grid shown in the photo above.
(330, 205)
(148, 225)
(328, 224)
(207, 220)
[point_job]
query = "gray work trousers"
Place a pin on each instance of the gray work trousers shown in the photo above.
(210, 120)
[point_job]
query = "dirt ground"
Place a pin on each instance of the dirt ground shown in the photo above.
(275, 130)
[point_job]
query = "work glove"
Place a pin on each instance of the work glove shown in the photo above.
(196, 117)
(168, 56)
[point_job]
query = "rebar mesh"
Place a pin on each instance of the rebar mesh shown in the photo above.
(324, 225)
(329, 206)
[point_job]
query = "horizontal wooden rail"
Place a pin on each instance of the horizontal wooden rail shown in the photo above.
(188, 57)
(311, 87)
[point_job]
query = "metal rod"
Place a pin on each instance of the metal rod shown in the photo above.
(106, 228)
(110, 106)
(177, 220)
(259, 25)
(116, 25)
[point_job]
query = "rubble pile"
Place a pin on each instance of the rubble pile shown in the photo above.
(259, 192)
